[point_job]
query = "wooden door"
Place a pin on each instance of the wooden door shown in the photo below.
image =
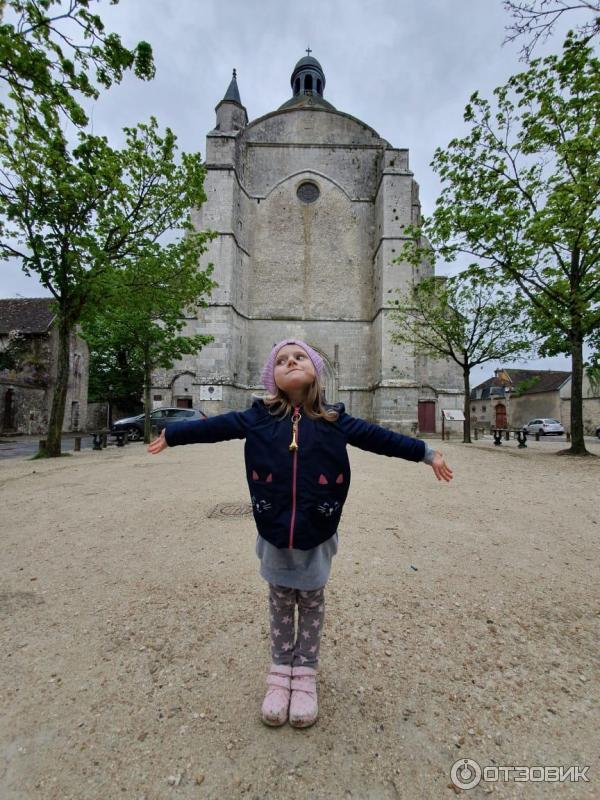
(426, 416)
(501, 421)
(184, 402)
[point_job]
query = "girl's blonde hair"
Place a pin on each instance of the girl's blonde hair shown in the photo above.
(313, 405)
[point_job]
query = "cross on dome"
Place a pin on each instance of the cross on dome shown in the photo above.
(308, 77)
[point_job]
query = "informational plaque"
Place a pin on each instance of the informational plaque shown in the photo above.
(211, 392)
(453, 415)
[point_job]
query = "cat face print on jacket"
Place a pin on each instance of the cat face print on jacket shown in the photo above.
(329, 486)
(260, 506)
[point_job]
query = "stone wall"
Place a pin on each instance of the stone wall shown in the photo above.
(318, 271)
(28, 391)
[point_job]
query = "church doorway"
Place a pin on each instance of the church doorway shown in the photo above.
(184, 402)
(426, 416)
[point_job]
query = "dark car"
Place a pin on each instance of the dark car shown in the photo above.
(159, 419)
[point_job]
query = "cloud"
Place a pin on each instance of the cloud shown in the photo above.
(405, 67)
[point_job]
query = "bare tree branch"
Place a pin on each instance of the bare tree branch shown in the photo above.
(535, 20)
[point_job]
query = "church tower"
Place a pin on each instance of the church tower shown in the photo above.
(308, 77)
(231, 114)
(309, 204)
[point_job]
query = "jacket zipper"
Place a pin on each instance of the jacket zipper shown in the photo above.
(296, 416)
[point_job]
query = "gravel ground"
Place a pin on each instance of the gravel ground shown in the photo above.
(461, 621)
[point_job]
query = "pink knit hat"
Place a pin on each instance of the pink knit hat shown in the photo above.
(267, 378)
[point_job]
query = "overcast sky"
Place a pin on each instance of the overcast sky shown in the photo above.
(404, 67)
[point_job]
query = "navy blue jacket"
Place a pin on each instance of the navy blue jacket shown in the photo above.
(297, 496)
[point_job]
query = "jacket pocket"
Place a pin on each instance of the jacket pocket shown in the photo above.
(327, 498)
(264, 494)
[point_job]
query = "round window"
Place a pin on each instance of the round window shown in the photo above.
(308, 192)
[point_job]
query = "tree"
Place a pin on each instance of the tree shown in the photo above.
(535, 20)
(13, 355)
(75, 214)
(520, 194)
(116, 375)
(46, 58)
(143, 313)
(463, 318)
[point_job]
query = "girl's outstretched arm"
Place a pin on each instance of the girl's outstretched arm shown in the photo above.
(220, 428)
(384, 441)
(158, 444)
(441, 470)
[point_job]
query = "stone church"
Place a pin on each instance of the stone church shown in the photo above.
(309, 204)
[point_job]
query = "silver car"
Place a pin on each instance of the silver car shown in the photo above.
(545, 426)
(159, 419)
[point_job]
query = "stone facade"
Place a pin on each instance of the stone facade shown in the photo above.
(590, 391)
(26, 391)
(520, 395)
(310, 205)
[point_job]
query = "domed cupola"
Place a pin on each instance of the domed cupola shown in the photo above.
(308, 76)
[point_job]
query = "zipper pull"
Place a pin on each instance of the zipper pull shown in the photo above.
(296, 417)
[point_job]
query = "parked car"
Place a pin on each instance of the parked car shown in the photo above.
(545, 426)
(158, 419)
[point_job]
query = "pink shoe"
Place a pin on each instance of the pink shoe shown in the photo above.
(303, 704)
(277, 699)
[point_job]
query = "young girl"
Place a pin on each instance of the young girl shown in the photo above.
(298, 474)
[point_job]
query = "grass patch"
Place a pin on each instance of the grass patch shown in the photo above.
(44, 454)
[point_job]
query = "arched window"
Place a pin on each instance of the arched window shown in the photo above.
(297, 86)
(319, 90)
(308, 83)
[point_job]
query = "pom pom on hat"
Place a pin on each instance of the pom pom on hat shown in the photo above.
(267, 376)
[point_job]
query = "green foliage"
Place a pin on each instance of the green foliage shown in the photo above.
(78, 216)
(520, 192)
(466, 317)
(140, 326)
(16, 352)
(524, 385)
(73, 214)
(520, 196)
(44, 453)
(53, 52)
(116, 374)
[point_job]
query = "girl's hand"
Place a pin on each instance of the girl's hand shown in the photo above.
(441, 469)
(159, 444)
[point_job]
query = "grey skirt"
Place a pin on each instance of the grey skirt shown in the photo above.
(297, 569)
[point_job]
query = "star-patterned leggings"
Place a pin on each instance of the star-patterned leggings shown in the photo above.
(304, 651)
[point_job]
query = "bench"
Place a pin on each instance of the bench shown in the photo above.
(101, 438)
(518, 433)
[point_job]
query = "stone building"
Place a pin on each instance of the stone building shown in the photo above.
(27, 384)
(513, 397)
(310, 205)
